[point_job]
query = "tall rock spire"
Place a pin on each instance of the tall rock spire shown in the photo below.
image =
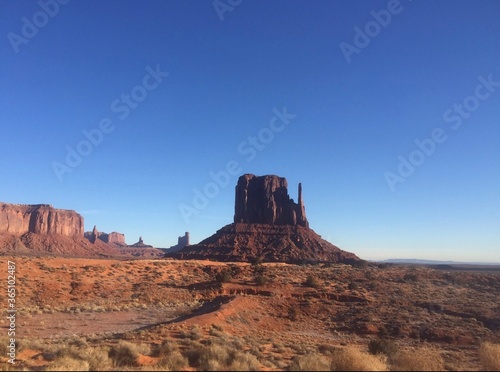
(301, 210)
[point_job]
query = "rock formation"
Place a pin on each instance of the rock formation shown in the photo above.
(140, 244)
(43, 230)
(16, 219)
(182, 241)
(265, 200)
(114, 238)
(268, 226)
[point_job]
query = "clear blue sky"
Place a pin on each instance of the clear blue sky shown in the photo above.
(229, 73)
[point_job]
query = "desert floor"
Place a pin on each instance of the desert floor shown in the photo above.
(201, 315)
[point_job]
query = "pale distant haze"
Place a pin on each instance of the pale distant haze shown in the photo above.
(388, 112)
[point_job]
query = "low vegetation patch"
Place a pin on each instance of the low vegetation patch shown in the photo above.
(489, 355)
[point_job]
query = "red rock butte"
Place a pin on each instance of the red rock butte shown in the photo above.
(268, 226)
(19, 219)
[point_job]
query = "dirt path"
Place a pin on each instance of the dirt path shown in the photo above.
(89, 323)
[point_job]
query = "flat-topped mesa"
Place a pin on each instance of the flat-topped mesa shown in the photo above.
(265, 199)
(19, 219)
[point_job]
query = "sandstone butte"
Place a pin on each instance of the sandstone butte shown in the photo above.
(268, 226)
(18, 219)
(41, 229)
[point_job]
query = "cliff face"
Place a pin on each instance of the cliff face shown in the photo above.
(265, 200)
(18, 219)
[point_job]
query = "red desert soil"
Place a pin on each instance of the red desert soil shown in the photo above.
(294, 307)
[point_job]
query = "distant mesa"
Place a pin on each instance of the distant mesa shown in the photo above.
(19, 219)
(140, 244)
(114, 238)
(182, 241)
(268, 226)
(41, 229)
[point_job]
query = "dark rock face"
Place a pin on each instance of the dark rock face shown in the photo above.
(265, 200)
(268, 226)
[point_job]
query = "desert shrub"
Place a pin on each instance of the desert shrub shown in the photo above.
(258, 268)
(244, 362)
(310, 362)
(351, 359)
(353, 286)
(217, 357)
(67, 363)
(489, 355)
(209, 358)
(326, 349)
(192, 334)
(360, 264)
(225, 276)
(173, 361)
(260, 280)
(423, 359)
(165, 348)
(97, 358)
(218, 327)
(382, 346)
(293, 313)
(124, 354)
(311, 281)
(411, 277)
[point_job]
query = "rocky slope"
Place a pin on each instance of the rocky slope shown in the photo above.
(248, 242)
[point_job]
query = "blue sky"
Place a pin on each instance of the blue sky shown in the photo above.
(351, 119)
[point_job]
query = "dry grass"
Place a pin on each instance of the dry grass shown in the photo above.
(221, 358)
(124, 354)
(310, 362)
(173, 361)
(489, 355)
(423, 359)
(67, 363)
(352, 359)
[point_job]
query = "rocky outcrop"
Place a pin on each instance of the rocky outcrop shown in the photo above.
(268, 226)
(182, 241)
(140, 244)
(16, 219)
(114, 238)
(265, 200)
